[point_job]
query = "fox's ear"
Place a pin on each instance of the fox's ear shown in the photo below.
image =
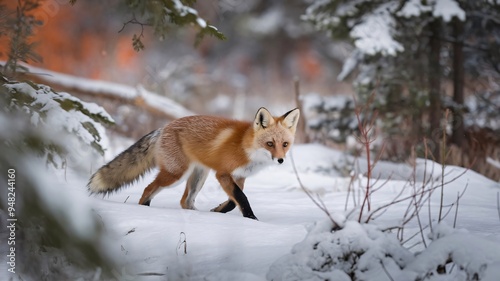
(291, 119)
(263, 119)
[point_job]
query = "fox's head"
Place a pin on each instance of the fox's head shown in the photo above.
(274, 136)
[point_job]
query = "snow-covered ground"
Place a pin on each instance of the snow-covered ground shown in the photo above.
(165, 242)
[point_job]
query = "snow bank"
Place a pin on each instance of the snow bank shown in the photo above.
(364, 252)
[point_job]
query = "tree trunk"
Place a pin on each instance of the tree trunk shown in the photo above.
(301, 133)
(434, 80)
(457, 136)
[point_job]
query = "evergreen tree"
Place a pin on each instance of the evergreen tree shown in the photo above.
(406, 50)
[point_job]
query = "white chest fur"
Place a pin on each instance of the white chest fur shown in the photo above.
(259, 159)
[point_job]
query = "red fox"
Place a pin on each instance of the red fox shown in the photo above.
(191, 146)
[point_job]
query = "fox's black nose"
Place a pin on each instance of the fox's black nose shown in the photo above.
(280, 160)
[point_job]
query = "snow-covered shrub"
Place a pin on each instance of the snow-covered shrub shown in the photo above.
(72, 126)
(483, 110)
(454, 255)
(365, 252)
(330, 118)
(355, 252)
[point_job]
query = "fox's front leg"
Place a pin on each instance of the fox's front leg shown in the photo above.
(235, 194)
(229, 204)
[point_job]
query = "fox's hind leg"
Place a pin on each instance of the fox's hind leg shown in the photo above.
(229, 204)
(172, 162)
(163, 179)
(193, 186)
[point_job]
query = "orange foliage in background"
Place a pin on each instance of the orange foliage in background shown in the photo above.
(71, 40)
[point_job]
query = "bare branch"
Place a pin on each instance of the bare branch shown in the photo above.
(498, 204)
(456, 211)
(319, 204)
(385, 270)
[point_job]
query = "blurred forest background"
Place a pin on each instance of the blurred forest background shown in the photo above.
(416, 78)
(417, 67)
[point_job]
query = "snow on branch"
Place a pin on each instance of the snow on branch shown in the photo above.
(136, 95)
(372, 24)
(64, 121)
(445, 9)
(375, 33)
(493, 162)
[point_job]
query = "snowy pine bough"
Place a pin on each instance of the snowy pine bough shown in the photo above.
(67, 126)
(375, 31)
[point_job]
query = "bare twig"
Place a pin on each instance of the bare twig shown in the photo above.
(459, 196)
(456, 211)
(384, 208)
(380, 208)
(385, 270)
(419, 201)
(413, 236)
(498, 204)
(136, 40)
(373, 190)
(135, 21)
(443, 159)
(366, 138)
(351, 186)
(426, 152)
(320, 204)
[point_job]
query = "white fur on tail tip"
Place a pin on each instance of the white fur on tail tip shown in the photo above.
(96, 184)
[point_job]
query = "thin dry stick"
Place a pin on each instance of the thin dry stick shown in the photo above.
(420, 225)
(417, 202)
(375, 214)
(351, 185)
(385, 270)
(456, 211)
(366, 140)
(322, 206)
(459, 196)
(413, 236)
(498, 204)
(426, 150)
(373, 190)
(382, 207)
(443, 159)
(444, 156)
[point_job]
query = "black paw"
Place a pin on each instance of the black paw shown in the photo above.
(252, 216)
(224, 207)
(147, 203)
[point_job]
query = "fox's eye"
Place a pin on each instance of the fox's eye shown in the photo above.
(285, 144)
(270, 144)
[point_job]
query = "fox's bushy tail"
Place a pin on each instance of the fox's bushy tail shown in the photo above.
(127, 167)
